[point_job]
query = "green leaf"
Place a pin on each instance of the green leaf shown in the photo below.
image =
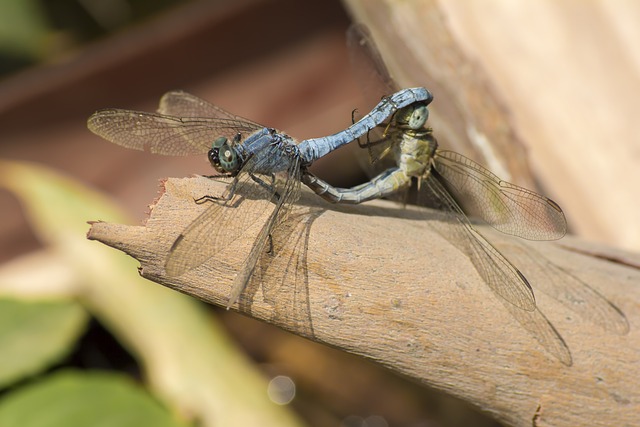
(74, 399)
(35, 335)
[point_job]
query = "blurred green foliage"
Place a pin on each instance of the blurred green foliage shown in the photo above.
(35, 334)
(191, 371)
(33, 31)
(79, 399)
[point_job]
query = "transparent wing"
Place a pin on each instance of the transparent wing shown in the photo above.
(507, 207)
(501, 276)
(288, 192)
(537, 324)
(219, 225)
(226, 221)
(173, 135)
(182, 104)
(568, 289)
(283, 272)
(375, 81)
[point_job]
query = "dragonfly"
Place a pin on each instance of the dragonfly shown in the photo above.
(456, 186)
(264, 164)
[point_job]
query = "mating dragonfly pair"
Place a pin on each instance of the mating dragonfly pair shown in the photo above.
(254, 155)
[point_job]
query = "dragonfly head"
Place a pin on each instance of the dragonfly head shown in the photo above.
(223, 157)
(413, 116)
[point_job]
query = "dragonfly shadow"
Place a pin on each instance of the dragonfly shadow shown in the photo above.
(281, 270)
(565, 287)
(534, 321)
(395, 209)
(282, 273)
(541, 328)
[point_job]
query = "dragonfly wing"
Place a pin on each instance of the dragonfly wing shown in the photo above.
(219, 225)
(283, 272)
(182, 104)
(501, 276)
(375, 82)
(162, 134)
(156, 133)
(288, 191)
(568, 289)
(227, 220)
(184, 125)
(507, 207)
(537, 324)
(256, 199)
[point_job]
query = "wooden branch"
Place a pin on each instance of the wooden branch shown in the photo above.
(377, 281)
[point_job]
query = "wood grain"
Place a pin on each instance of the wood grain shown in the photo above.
(377, 281)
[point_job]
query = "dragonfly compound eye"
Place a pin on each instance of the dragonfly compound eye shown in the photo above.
(412, 117)
(222, 157)
(418, 117)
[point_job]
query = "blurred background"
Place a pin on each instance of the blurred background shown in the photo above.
(500, 98)
(269, 61)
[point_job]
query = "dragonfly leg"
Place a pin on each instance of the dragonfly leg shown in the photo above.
(385, 184)
(220, 175)
(207, 198)
(353, 122)
(368, 144)
(269, 187)
(270, 247)
(228, 193)
(385, 138)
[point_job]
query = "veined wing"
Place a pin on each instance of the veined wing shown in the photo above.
(182, 104)
(501, 276)
(283, 272)
(218, 226)
(537, 324)
(166, 134)
(375, 80)
(507, 207)
(566, 288)
(224, 221)
(287, 193)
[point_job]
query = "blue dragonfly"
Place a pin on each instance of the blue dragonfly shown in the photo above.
(265, 165)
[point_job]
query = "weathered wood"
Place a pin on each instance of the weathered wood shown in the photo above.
(377, 281)
(546, 83)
